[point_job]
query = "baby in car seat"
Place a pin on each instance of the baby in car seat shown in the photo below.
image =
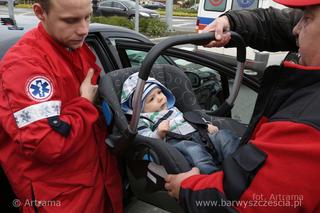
(162, 120)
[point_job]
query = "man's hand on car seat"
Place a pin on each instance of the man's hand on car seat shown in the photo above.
(163, 129)
(212, 129)
(88, 90)
(173, 182)
(219, 25)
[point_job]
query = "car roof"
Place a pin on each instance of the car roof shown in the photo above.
(9, 37)
(29, 22)
(96, 27)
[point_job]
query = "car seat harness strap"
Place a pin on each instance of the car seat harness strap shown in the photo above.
(165, 117)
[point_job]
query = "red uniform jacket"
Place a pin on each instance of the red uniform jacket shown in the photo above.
(286, 127)
(54, 152)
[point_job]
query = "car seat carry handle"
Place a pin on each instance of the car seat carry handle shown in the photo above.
(198, 39)
(202, 38)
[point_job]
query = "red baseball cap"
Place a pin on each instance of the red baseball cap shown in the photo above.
(298, 3)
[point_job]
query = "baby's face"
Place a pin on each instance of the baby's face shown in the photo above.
(155, 101)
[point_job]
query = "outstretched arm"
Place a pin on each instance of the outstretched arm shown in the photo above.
(262, 29)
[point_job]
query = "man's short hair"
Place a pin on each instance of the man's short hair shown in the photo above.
(45, 4)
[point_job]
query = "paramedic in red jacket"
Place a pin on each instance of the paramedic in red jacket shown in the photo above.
(53, 151)
(277, 167)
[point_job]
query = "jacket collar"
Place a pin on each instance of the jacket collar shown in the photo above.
(61, 48)
(78, 58)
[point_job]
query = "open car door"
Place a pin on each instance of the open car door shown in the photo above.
(211, 78)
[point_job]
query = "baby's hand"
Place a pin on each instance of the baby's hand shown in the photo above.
(212, 129)
(163, 128)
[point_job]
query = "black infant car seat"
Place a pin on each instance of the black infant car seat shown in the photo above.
(137, 150)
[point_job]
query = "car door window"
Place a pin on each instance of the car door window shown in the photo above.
(136, 58)
(104, 58)
(244, 105)
(119, 6)
(98, 61)
(205, 81)
(211, 81)
(105, 4)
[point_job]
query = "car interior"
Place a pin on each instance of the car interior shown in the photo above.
(146, 160)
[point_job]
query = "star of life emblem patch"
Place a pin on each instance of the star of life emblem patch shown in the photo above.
(39, 88)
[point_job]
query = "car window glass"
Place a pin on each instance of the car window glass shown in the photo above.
(105, 4)
(113, 40)
(193, 67)
(123, 38)
(118, 5)
(103, 59)
(98, 62)
(244, 104)
(211, 86)
(205, 81)
(136, 58)
(132, 5)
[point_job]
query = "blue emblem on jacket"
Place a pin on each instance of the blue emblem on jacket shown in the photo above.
(245, 3)
(39, 88)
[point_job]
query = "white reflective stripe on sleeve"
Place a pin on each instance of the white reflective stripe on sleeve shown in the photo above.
(37, 112)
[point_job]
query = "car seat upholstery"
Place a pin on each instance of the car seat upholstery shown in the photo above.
(140, 150)
(110, 91)
(174, 79)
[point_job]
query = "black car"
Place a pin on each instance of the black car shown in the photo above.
(124, 8)
(155, 5)
(117, 47)
(5, 2)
